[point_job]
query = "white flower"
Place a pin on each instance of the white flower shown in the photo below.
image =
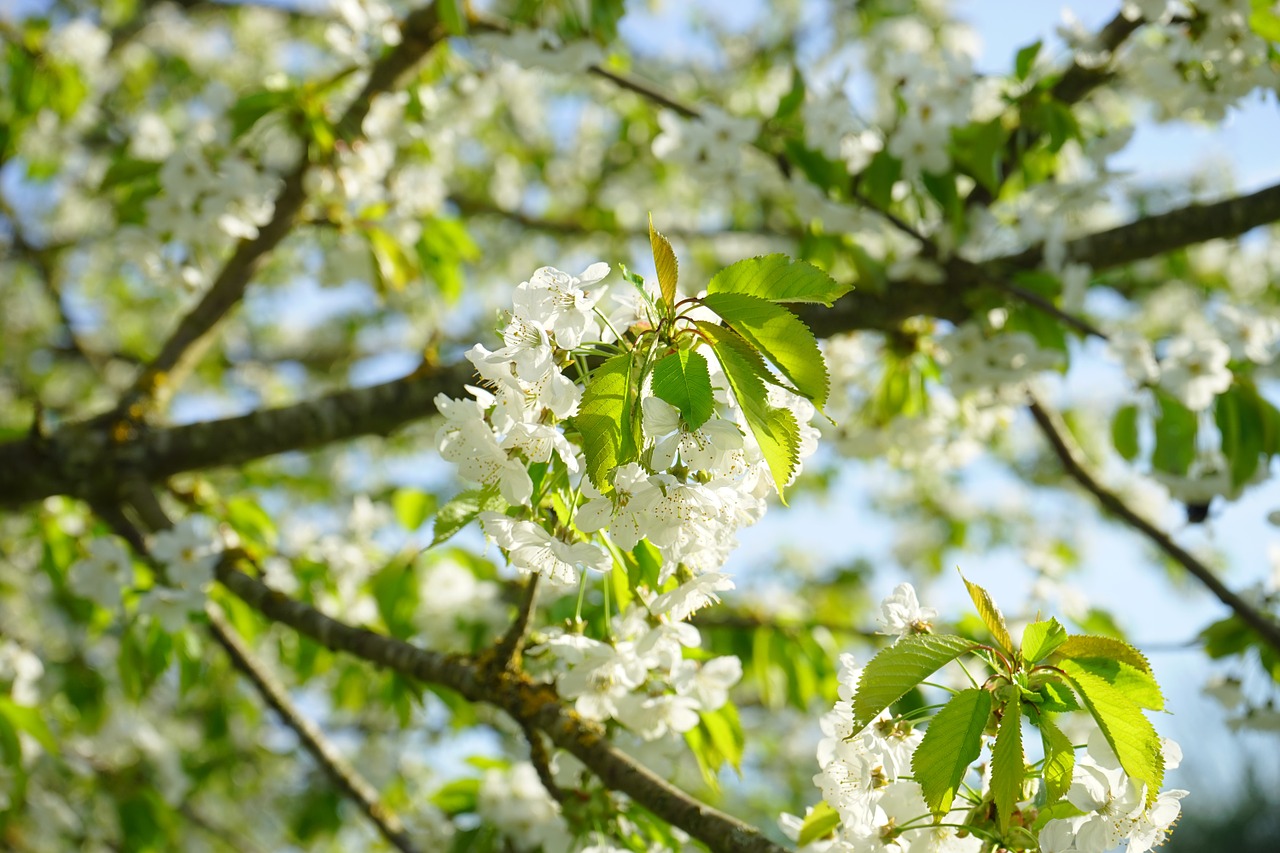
(691, 596)
(533, 550)
(20, 669)
(627, 512)
(1195, 370)
(188, 551)
(653, 716)
(104, 573)
(603, 675)
(708, 684)
(901, 613)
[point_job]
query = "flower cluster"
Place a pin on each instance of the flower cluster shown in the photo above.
(1113, 807)
(641, 678)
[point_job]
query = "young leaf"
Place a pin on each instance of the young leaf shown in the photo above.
(1039, 639)
(664, 259)
(952, 742)
(1057, 698)
(462, 510)
(1059, 760)
(412, 507)
(780, 336)
(1125, 727)
(604, 419)
(776, 430)
(1139, 686)
(900, 667)
(1124, 432)
(1008, 764)
(683, 380)
(1089, 646)
(778, 279)
(990, 614)
(819, 823)
(1175, 436)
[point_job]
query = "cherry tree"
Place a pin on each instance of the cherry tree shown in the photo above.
(387, 388)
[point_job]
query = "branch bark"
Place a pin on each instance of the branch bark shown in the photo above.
(1077, 469)
(525, 700)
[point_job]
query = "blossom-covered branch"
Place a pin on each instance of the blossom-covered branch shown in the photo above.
(522, 698)
(184, 347)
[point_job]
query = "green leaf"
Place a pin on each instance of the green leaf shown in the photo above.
(463, 509)
(896, 669)
(1175, 436)
(457, 797)
(1264, 20)
(1057, 698)
(1039, 639)
(604, 419)
(1008, 764)
(780, 336)
(664, 259)
(412, 507)
(1125, 727)
(1059, 760)
(952, 742)
(979, 150)
(452, 16)
(250, 108)
(1139, 686)
(1089, 646)
(724, 734)
(990, 614)
(776, 430)
(1124, 432)
(683, 380)
(30, 720)
(1025, 59)
(1243, 426)
(390, 261)
(819, 823)
(778, 278)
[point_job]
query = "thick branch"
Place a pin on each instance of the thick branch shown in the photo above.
(188, 341)
(525, 700)
(345, 777)
(1056, 435)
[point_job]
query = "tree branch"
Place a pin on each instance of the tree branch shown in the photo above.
(419, 33)
(345, 777)
(1072, 462)
(523, 699)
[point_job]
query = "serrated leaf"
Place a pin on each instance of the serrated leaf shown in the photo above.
(1124, 432)
(991, 615)
(683, 380)
(1008, 764)
(778, 278)
(896, 669)
(819, 823)
(1091, 646)
(664, 260)
(775, 430)
(952, 742)
(1126, 728)
(463, 509)
(1139, 686)
(604, 419)
(780, 336)
(1040, 639)
(1059, 760)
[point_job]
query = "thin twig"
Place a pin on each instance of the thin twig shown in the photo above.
(1071, 461)
(540, 758)
(345, 777)
(506, 654)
